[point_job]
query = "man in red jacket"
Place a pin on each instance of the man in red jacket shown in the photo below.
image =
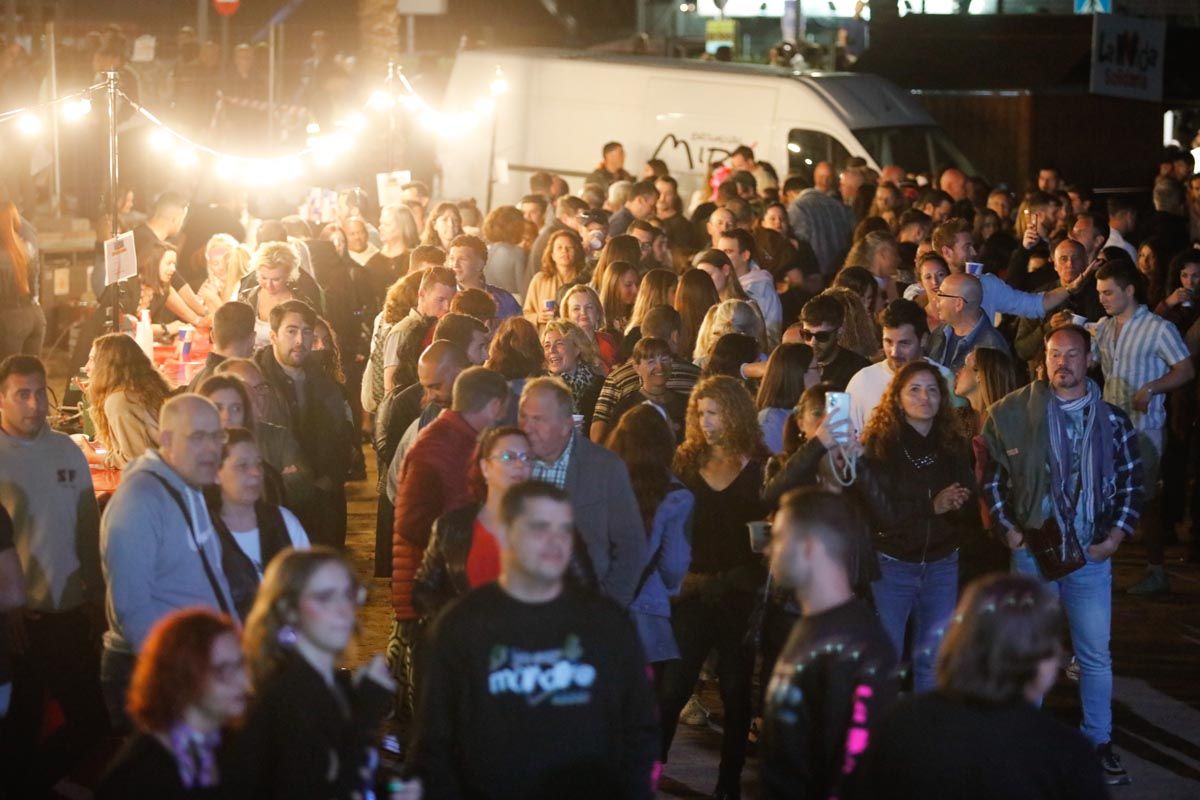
(432, 481)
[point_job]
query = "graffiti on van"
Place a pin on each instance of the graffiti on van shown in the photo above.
(709, 149)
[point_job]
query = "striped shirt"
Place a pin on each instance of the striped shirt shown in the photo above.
(824, 222)
(624, 381)
(1145, 350)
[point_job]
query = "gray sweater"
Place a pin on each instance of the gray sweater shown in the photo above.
(46, 486)
(150, 564)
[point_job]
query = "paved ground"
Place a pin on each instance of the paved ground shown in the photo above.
(1156, 652)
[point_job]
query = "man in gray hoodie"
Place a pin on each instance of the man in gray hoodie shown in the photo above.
(157, 542)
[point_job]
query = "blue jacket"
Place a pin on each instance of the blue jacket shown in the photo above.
(672, 531)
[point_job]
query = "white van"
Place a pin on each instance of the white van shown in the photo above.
(562, 106)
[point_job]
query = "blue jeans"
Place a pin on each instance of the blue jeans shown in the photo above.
(926, 592)
(1086, 597)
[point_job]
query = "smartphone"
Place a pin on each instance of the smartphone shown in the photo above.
(550, 305)
(837, 413)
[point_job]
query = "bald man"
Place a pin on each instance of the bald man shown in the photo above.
(157, 543)
(954, 183)
(719, 222)
(964, 325)
(401, 415)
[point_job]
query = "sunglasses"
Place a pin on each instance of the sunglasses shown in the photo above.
(822, 337)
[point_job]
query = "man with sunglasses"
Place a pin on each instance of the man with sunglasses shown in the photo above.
(821, 319)
(158, 547)
(964, 326)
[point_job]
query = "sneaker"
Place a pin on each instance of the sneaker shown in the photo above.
(694, 714)
(1155, 582)
(1110, 766)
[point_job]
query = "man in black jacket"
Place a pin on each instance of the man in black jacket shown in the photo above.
(836, 673)
(313, 408)
(534, 689)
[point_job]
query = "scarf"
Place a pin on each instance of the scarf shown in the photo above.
(1095, 459)
(194, 753)
(578, 380)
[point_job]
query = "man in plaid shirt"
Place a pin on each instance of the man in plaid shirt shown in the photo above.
(1058, 450)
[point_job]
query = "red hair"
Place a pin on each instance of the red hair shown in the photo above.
(173, 667)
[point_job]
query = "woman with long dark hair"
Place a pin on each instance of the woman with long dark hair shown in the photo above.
(645, 442)
(721, 461)
(790, 370)
(618, 293)
(188, 687)
(1003, 649)
(563, 266)
(694, 296)
(916, 480)
(311, 726)
(22, 323)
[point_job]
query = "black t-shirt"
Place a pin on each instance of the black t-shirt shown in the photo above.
(932, 746)
(673, 403)
(844, 366)
(720, 540)
(834, 678)
(547, 700)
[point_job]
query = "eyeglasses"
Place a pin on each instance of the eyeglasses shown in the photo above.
(951, 296)
(200, 437)
(509, 456)
(823, 337)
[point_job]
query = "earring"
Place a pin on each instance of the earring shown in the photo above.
(286, 637)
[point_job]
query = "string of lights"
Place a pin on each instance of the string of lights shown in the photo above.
(322, 148)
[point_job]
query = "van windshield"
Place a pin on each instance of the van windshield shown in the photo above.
(916, 148)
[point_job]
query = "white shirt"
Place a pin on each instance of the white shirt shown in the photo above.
(251, 544)
(1115, 239)
(867, 386)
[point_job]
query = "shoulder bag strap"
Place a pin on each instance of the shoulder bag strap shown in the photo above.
(208, 570)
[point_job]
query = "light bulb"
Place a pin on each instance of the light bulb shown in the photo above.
(29, 124)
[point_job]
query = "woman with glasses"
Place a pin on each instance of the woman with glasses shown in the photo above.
(464, 550)
(252, 530)
(571, 357)
(311, 726)
(188, 686)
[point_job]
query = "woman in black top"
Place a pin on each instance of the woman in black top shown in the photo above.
(189, 684)
(252, 530)
(916, 480)
(721, 461)
(310, 726)
(980, 735)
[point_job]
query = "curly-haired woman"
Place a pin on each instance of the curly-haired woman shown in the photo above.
(721, 461)
(125, 394)
(916, 481)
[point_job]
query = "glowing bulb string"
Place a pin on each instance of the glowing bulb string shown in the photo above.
(34, 109)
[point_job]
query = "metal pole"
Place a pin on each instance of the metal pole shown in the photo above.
(271, 37)
(56, 197)
(224, 41)
(492, 161)
(201, 21)
(391, 142)
(410, 26)
(113, 200)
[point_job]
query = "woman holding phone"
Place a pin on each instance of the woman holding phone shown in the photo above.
(563, 266)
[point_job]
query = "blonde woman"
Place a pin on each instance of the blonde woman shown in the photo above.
(582, 306)
(125, 393)
(730, 316)
(571, 357)
(877, 253)
(277, 267)
(858, 332)
(227, 263)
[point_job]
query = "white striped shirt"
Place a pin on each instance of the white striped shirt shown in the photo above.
(1147, 348)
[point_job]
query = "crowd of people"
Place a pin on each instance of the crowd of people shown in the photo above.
(858, 450)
